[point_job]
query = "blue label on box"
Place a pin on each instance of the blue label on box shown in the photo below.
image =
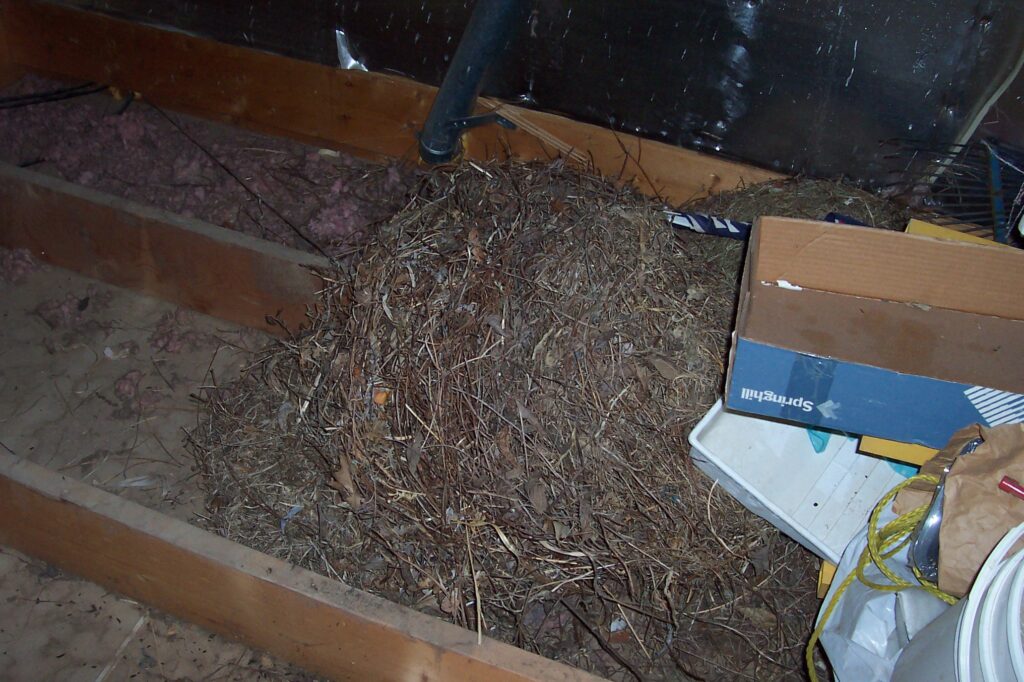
(860, 399)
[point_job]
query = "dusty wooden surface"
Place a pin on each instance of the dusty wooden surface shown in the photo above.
(374, 115)
(209, 269)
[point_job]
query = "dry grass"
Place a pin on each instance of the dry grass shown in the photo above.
(804, 198)
(487, 418)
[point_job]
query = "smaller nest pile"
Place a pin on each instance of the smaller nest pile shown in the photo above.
(487, 420)
(804, 198)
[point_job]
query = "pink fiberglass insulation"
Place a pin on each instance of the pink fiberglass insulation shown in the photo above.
(61, 313)
(260, 185)
(173, 333)
(127, 387)
(71, 311)
(16, 265)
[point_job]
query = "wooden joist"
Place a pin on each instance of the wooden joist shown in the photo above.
(188, 262)
(370, 114)
(9, 71)
(320, 624)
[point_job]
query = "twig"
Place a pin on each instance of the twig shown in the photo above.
(476, 592)
(601, 640)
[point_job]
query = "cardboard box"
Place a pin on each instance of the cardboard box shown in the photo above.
(905, 452)
(878, 333)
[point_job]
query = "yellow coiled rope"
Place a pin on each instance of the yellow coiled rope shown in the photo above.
(883, 543)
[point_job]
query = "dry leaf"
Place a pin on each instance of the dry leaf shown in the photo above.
(695, 292)
(515, 473)
(363, 297)
(282, 414)
(494, 322)
(538, 495)
(505, 541)
(548, 546)
(503, 441)
(558, 529)
(666, 369)
(761, 617)
(531, 419)
(479, 254)
(586, 516)
(414, 452)
(642, 375)
(343, 483)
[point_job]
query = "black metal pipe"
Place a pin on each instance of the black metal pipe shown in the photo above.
(486, 38)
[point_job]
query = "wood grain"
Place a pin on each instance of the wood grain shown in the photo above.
(9, 71)
(193, 264)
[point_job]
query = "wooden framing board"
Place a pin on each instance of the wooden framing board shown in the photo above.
(320, 624)
(194, 264)
(9, 72)
(374, 115)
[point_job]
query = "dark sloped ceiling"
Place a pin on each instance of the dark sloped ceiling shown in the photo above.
(806, 86)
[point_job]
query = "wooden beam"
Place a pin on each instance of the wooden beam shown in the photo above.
(9, 72)
(319, 624)
(371, 114)
(213, 270)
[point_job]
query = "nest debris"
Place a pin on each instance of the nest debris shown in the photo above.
(804, 198)
(486, 420)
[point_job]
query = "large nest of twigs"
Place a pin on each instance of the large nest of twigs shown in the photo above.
(487, 419)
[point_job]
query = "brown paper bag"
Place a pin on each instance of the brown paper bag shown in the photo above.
(919, 493)
(976, 513)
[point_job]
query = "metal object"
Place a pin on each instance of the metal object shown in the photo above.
(485, 39)
(924, 545)
(346, 57)
(980, 183)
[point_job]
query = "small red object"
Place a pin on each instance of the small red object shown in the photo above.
(1012, 486)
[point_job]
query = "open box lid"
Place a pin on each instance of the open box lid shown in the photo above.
(908, 303)
(889, 266)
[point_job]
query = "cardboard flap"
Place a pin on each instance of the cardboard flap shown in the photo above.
(890, 266)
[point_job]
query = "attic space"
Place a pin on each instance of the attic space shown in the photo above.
(511, 340)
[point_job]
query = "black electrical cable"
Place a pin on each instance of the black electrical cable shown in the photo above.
(15, 102)
(47, 93)
(241, 182)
